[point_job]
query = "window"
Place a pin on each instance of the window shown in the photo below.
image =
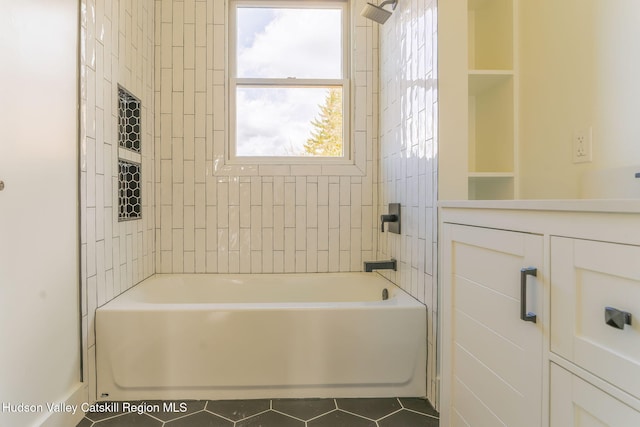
(289, 91)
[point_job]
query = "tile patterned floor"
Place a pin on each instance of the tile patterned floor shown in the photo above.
(383, 412)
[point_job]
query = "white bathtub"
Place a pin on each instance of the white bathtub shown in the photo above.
(212, 336)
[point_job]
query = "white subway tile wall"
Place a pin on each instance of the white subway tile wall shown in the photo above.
(116, 48)
(408, 156)
(198, 214)
(219, 218)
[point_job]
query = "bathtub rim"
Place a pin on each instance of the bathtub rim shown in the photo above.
(398, 297)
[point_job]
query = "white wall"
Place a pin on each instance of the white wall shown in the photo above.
(266, 219)
(39, 313)
(408, 156)
(117, 49)
(579, 67)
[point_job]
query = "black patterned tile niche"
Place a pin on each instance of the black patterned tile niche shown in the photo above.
(128, 120)
(129, 197)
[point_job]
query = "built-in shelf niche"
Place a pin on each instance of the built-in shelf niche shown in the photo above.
(492, 94)
(491, 123)
(491, 186)
(490, 34)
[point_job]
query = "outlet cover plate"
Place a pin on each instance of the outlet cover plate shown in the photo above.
(582, 148)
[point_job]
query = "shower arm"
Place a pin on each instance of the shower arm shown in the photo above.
(393, 4)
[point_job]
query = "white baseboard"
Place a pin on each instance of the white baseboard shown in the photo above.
(78, 395)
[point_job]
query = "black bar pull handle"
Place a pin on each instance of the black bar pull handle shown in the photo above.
(529, 271)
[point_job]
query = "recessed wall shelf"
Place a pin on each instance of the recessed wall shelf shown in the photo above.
(482, 80)
(491, 185)
(485, 175)
(129, 117)
(129, 191)
(129, 156)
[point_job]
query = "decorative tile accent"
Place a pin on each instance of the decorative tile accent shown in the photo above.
(129, 116)
(129, 197)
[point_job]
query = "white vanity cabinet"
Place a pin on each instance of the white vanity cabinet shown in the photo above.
(579, 363)
(491, 330)
(595, 298)
(577, 403)
(592, 282)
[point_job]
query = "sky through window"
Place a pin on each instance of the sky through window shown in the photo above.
(283, 43)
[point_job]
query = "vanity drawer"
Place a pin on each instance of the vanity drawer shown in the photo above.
(575, 402)
(587, 279)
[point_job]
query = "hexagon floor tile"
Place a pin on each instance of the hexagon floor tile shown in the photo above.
(370, 408)
(387, 412)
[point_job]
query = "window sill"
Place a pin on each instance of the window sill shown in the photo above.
(290, 168)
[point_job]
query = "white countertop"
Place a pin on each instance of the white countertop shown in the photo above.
(574, 205)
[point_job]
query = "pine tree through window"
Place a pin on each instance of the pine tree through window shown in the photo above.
(326, 138)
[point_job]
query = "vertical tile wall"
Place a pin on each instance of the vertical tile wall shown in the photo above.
(116, 48)
(259, 220)
(408, 156)
(272, 222)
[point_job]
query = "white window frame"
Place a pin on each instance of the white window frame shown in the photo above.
(344, 83)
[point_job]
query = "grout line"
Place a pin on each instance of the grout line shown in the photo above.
(418, 412)
(358, 415)
(219, 415)
(107, 418)
(422, 413)
(180, 416)
(322, 415)
(155, 418)
(394, 412)
(254, 415)
(288, 415)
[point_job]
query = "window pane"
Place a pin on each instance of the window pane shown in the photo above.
(298, 121)
(282, 43)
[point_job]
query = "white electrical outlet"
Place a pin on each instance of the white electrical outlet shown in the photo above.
(582, 150)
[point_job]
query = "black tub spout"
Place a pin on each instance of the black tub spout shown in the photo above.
(391, 264)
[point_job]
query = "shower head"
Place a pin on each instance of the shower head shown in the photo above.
(377, 13)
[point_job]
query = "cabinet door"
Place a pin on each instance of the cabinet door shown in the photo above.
(575, 402)
(491, 358)
(589, 278)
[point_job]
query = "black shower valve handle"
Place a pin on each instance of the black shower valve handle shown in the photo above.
(387, 218)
